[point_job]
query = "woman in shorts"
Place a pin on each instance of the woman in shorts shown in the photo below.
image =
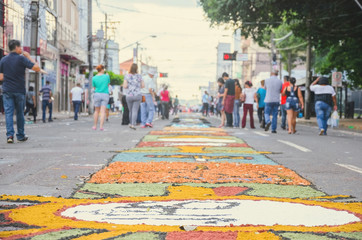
(293, 105)
(100, 83)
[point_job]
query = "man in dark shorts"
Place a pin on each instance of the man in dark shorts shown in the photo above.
(12, 72)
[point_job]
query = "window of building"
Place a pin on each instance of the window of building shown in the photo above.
(51, 28)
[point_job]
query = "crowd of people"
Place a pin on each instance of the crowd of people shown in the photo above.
(138, 101)
(271, 98)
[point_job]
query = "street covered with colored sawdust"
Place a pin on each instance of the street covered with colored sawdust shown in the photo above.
(190, 181)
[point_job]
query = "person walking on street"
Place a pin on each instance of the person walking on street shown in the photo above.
(47, 101)
(76, 99)
(31, 103)
(110, 101)
(260, 97)
(175, 105)
(133, 83)
(237, 103)
(100, 83)
(205, 104)
(125, 110)
(12, 72)
(250, 95)
(148, 106)
(1, 99)
(165, 99)
(220, 103)
(325, 98)
(273, 86)
(283, 102)
(294, 103)
(229, 98)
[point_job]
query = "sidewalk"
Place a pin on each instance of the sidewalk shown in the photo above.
(345, 124)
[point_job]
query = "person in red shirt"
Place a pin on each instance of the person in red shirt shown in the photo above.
(165, 98)
(283, 102)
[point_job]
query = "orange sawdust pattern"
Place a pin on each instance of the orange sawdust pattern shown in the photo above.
(181, 172)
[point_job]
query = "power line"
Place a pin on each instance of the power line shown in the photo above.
(151, 14)
(358, 4)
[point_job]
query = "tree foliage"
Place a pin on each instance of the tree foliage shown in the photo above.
(116, 79)
(328, 22)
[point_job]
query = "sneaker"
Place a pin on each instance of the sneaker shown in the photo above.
(50, 120)
(267, 126)
(274, 131)
(143, 126)
(284, 128)
(132, 127)
(10, 139)
(321, 133)
(24, 139)
(149, 125)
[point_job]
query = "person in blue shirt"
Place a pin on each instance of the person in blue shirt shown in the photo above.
(261, 104)
(12, 72)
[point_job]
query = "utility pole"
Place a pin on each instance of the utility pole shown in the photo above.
(272, 51)
(34, 9)
(90, 57)
(307, 106)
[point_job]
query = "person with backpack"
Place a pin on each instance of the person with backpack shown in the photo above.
(294, 102)
(325, 98)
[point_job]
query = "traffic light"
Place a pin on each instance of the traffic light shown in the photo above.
(163, 75)
(229, 56)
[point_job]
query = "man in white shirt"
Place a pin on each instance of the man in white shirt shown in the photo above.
(76, 98)
(147, 105)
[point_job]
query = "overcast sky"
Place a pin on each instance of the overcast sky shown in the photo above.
(185, 46)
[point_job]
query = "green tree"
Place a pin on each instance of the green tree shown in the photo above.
(116, 79)
(329, 23)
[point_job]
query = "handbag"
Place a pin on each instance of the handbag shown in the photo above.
(111, 100)
(242, 98)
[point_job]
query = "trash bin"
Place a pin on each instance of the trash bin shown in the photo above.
(350, 110)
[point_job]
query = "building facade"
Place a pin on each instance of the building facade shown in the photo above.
(54, 33)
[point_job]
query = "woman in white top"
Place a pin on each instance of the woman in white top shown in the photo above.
(249, 94)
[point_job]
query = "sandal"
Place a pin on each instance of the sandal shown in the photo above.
(94, 128)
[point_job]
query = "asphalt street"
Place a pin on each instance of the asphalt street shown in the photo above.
(60, 156)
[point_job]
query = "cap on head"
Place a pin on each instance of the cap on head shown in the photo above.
(323, 81)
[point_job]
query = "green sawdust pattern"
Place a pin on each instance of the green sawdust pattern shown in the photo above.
(269, 190)
(139, 236)
(66, 234)
(154, 149)
(353, 235)
(128, 189)
(303, 236)
(231, 150)
(155, 138)
(156, 189)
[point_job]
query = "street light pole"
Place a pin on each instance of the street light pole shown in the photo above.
(90, 57)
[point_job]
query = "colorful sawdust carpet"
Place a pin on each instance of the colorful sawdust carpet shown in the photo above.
(189, 181)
